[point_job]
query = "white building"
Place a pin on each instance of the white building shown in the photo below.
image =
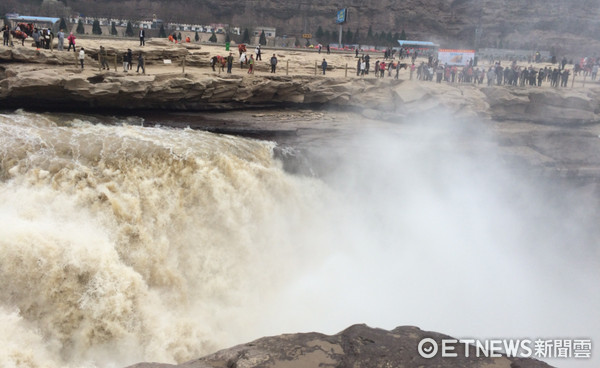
(269, 32)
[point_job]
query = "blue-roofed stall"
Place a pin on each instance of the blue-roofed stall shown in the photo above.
(24, 26)
(40, 22)
(418, 44)
(421, 47)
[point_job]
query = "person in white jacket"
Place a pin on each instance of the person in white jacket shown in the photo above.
(81, 57)
(491, 76)
(242, 60)
(258, 53)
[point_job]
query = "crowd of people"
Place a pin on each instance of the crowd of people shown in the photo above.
(126, 59)
(496, 74)
(42, 37)
(249, 61)
(588, 66)
(512, 75)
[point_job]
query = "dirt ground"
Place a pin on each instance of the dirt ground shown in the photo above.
(305, 62)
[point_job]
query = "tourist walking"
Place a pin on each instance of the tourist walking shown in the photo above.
(324, 65)
(130, 59)
(142, 37)
(258, 53)
(81, 57)
(251, 65)
(141, 64)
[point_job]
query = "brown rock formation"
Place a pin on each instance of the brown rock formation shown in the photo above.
(358, 346)
(30, 86)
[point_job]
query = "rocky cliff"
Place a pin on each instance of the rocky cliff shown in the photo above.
(566, 25)
(517, 23)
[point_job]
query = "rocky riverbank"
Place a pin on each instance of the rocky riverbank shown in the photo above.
(554, 129)
(50, 80)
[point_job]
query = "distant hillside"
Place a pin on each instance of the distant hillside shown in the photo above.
(566, 25)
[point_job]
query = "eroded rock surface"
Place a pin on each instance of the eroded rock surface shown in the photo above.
(358, 346)
(36, 85)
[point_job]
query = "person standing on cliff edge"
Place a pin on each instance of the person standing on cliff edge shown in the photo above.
(273, 63)
(5, 33)
(61, 40)
(129, 59)
(104, 58)
(229, 62)
(71, 40)
(125, 63)
(36, 38)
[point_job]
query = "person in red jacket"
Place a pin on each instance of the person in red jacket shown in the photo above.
(71, 40)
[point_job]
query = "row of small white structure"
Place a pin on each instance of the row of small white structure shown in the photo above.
(149, 24)
(155, 24)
